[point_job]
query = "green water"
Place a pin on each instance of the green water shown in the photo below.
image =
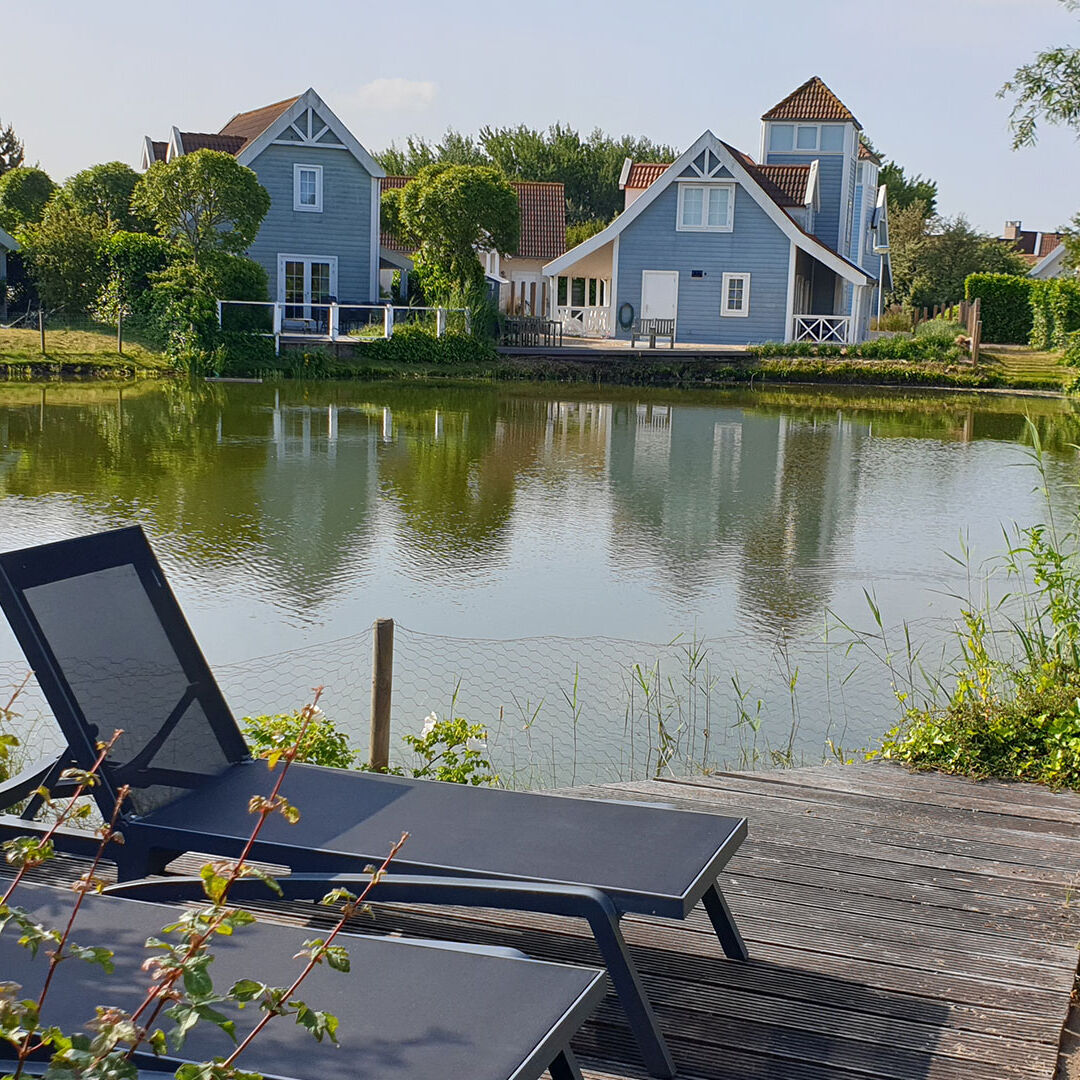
(290, 515)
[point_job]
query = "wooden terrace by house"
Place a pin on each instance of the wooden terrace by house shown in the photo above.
(901, 926)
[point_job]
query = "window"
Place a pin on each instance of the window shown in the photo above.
(307, 188)
(806, 138)
(705, 207)
(782, 137)
(832, 137)
(735, 295)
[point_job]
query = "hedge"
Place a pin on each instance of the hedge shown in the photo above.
(1055, 312)
(1006, 306)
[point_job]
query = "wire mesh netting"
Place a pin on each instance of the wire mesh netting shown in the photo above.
(578, 710)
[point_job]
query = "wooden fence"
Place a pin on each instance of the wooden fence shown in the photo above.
(966, 312)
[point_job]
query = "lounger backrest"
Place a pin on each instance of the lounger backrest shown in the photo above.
(111, 649)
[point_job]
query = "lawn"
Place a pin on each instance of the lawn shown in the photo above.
(1025, 365)
(87, 350)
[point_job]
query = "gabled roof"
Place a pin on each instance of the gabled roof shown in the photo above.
(542, 206)
(811, 101)
(158, 149)
(750, 177)
(203, 140)
(1048, 265)
(790, 182)
(8, 241)
(247, 125)
(866, 154)
(643, 173)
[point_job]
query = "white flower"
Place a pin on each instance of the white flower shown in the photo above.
(478, 744)
(429, 724)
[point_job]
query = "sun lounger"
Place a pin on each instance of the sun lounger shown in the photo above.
(111, 649)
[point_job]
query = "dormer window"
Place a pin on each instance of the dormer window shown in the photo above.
(705, 207)
(307, 188)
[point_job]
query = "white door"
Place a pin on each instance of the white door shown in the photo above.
(659, 294)
(306, 282)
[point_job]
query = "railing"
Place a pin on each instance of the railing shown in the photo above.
(581, 321)
(822, 329)
(525, 331)
(329, 321)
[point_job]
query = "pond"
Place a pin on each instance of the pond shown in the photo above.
(607, 578)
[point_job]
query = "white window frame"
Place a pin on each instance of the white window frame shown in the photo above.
(297, 205)
(307, 260)
(735, 313)
(705, 187)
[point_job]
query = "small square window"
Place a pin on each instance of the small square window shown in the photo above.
(782, 137)
(307, 188)
(832, 137)
(806, 138)
(735, 295)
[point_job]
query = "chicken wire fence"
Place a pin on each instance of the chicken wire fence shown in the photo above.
(565, 711)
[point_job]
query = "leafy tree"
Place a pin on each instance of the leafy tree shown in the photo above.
(62, 251)
(450, 212)
(129, 259)
(1048, 88)
(205, 201)
(932, 258)
(578, 233)
(588, 168)
(904, 191)
(23, 195)
(11, 149)
(104, 192)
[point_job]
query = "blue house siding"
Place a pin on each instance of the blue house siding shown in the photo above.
(756, 246)
(831, 181)
(343, 229)
(858, 227)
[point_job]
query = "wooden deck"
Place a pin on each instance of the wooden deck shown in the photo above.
(901, 926)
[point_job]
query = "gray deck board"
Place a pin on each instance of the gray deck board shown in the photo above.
(905, 926)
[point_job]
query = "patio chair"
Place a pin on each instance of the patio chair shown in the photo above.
(111, 649)
(408, 1010)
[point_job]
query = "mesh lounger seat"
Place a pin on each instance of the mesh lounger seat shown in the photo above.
(408, 1010)
(111, 649)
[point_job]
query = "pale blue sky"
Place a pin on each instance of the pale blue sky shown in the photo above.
(83, 83)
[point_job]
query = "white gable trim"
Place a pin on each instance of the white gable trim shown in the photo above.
(310, 100)
(175, 148)
(1045, 267)
(8, 241)
(147, 152)
(813, 186)
(707, 140)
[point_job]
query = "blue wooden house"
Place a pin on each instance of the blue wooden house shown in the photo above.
(791, 247)
(320, 238)
(7, 243)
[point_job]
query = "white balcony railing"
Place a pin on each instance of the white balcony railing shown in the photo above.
(580, 321)
(823, 329)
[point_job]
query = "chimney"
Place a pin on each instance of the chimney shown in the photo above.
(1012, 230)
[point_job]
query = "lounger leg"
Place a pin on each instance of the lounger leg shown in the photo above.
(724, 925)
(565, 1067)
(631, 993)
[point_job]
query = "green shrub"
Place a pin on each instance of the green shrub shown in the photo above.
(1005, 306)
(244, 353)
(1055, 312)
(184, 312)
(322, 744)
(1071, 355)
(415, 344)
(927, 348)
(940, 331)
(894, 318)
(130, 260)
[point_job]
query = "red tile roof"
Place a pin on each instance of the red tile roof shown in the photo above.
(644, 173)
(866, 154)
(201, 140)
(250, 125)
(542, 207)
(790, 180)
(160, 149)
(1048, 242)
(811, 101)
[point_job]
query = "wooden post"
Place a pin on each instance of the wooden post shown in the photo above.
(976, 341)
(388, 321)
(513, 293)
(120, 331)
(532, 298)
(382, 681)
(41, 328)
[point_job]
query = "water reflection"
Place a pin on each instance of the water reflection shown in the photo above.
(622, 512)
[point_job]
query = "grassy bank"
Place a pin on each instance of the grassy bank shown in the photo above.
(88, 352)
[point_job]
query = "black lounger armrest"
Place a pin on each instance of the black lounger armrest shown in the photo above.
(18, 788)
(67, 841)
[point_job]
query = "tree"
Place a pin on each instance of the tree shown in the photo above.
(450, 212)
(23, 195)
(1048, 89)
(904, 191)
(11, 149)
(62, 250)
(205, 201)
(104, 192)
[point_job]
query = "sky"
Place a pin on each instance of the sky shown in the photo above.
(83, 83)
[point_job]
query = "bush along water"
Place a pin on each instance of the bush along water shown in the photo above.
(1014, 708)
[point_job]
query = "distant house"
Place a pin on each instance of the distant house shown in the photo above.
(517, 278)
(1031, 246)
(320, 238)
(736, 251)
(7, 243)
